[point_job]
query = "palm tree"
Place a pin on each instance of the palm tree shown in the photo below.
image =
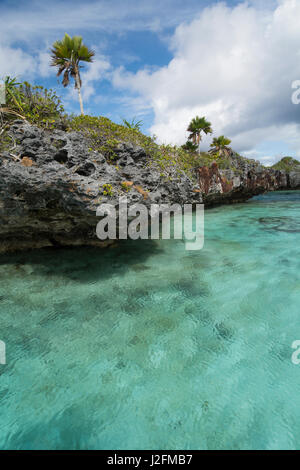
(220, 144)
(196, 126)
(66, 55)
(190, 147)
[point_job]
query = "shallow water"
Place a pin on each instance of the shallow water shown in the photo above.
(149, 346)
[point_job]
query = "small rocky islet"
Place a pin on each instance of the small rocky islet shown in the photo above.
(53, 180)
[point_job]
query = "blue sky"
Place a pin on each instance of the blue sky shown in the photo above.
(165, 61)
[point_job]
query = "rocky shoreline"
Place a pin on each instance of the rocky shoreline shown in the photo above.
(51, 184)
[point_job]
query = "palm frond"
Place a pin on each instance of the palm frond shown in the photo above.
(60, 70)
(10, 111)
(85, 54)
(66, 78)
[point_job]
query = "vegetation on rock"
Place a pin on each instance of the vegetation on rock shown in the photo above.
(133, 124)
(287, 164)
(35, 104)
(106, 137)
(190, 147)
(44, 109)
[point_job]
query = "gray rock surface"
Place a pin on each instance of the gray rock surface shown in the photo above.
(51, 185)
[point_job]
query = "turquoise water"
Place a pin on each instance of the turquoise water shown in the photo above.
(149, 346)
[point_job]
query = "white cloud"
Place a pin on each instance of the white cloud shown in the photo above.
(35, 25)
(233, 65)
(96, 71)
(33, 18)
(15, 62)
(43, 63)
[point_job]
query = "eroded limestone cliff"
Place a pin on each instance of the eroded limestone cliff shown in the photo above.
(51, 184)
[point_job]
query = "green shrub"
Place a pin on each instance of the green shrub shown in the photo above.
(287, 164)
(36, 104)
(107, 190)
(41, 106)
(125, 186)
(133, 124)
(105, 135)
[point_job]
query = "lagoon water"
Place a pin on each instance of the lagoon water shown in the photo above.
(149, 346)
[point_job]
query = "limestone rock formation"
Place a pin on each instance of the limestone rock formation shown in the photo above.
(51, 185)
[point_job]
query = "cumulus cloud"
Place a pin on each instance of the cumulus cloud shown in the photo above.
(16, 62)
(98, 70)
(35, 25)
(235, 65)
(35, 19)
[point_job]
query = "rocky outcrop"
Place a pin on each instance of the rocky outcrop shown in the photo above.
(51, 184)
(229, 186)
(287, 164)
(293, 178)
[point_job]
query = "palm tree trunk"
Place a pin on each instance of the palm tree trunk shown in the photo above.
(198, 139)
(79, 93)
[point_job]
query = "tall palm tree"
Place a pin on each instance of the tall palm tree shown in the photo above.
(196, 126)
(66, 55)
(220, 144)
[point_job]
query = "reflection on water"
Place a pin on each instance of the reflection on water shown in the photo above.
(147, 345)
